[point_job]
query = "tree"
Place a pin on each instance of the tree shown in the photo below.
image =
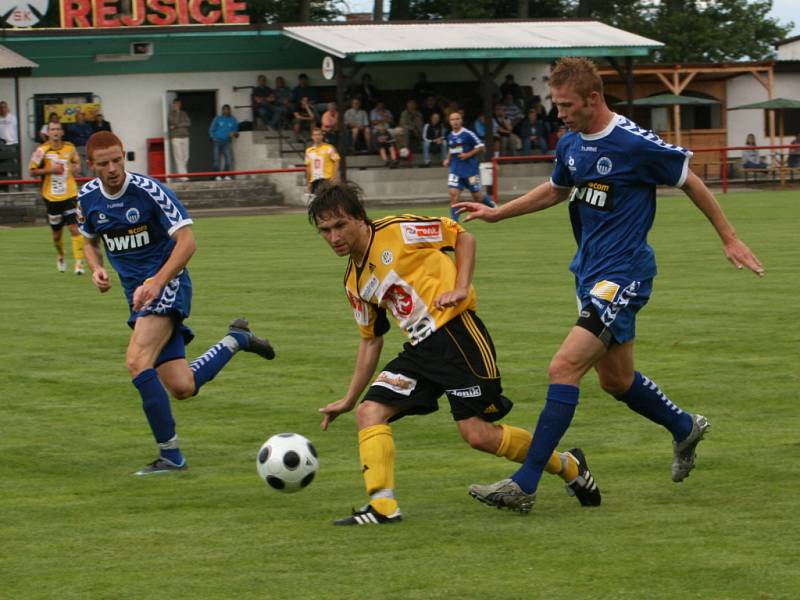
(292, 11)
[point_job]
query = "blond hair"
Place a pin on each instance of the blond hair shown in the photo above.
(579, 73)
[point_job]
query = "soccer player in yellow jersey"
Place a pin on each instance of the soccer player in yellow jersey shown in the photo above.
(55, 161)
(397, 265)
(322, 161)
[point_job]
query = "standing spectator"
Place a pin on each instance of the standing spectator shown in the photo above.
(305, 117)
(322, 161)
(463, 147)
(366, 92)
(55, 161)
(410, 125)
(9, 140)
(357, 123)
(178, 122)
(330, 124)
(99, 123)
(422, 88)
(533, 134)
(430, 106)
(79, 133)
(265, 108)
(794, 153)
(301, 90)
(224, 128)
(433, 136)
(43, 132)
(751, 158)
(511, 88)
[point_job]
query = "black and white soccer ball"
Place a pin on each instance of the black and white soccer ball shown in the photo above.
(287, 462)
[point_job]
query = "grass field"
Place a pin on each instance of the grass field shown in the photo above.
(74, 523)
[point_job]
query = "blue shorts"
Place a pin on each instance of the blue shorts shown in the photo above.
(471, 183)
(616, 302)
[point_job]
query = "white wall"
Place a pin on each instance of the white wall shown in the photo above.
(790, 51)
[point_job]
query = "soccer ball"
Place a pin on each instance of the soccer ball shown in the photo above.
(287, 462)
(404, 152)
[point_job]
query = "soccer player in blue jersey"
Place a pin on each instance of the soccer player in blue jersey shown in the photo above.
(148, 239)
(608, 168)
(463, 147)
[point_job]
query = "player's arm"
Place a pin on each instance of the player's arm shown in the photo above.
(735, 249)
(465, 269)
(542, 196)
(369, 352)
(75, 160)
(185, 247)
(476, 150)
(94, 258)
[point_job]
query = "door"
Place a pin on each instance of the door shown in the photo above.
(201, 106)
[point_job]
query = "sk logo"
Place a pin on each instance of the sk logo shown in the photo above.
(19, 13)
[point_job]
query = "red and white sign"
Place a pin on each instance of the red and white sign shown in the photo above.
(83, 14)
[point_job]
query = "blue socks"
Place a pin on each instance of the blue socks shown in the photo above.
(454, 214)
(155, 403)
(645, 398)
(206, 366)
(562, 400)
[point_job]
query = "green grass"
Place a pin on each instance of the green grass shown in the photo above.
(74, 524)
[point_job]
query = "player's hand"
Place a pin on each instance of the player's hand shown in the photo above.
(58, 169)
(145, 294)
(741, 256)
(333, 410)
(446, 163)
(476, 210)
(450, 298)
(100, 280)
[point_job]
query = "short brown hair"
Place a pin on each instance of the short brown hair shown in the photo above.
(100, 141)
(579, 73)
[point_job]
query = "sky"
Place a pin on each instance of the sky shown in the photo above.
(783, 10)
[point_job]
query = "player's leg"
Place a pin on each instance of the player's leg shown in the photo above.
(642, 395)
(55, 219)
(150, 334)
(71, 220)
(455, 194)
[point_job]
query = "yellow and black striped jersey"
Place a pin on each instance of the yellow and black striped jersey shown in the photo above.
(403, 271)
(56, 186)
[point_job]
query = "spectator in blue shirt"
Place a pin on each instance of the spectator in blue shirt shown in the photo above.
(223, 129)
(533, 133)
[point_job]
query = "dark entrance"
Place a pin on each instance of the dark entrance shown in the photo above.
(201, 106)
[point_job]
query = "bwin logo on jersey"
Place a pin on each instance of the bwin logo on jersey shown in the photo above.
(596, 194)
(132, 215)
(22, 13)
(130, 239)
(604, 165)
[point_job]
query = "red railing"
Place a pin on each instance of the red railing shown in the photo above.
(723, 152)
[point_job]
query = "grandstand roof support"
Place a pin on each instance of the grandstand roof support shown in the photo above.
(486, 77)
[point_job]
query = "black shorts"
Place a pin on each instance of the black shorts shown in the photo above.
(457, 360)
(61, 212)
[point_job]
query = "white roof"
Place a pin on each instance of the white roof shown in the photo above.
(343, 40)
(11, 60)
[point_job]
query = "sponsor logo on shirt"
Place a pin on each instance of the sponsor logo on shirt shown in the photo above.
(102, 218)
(571, 164)
(595, 194)
(387, 257)
(605, 290)
(421, 232)
(604, 165)
(132, 215)
(369, 288)
(588, 148)
(470, 392)
(121, 241)
(399, 384)
(114, 205)
(360, 312)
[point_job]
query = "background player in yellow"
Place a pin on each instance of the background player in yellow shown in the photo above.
(56, 161)
(322, 161)
(398, 265)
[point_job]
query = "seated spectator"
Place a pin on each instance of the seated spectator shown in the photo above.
(79, 133)
(452, 107)
(534, 134)
(794, 153)
(553, 122)
(330, 124)
(513, 112)
(410, 125)
(305, 117)
(283, 98)
(511, 88)
(751, 159)
(434, 138)
(552, 139)
(387, 146)
(265, 108)
(508, 141)
(99, 123)
(356, 122)
(430, 106)
(479, 127)
(51, 118)
(380, 117)
(303, 89)
(422, 89)
(366, 92)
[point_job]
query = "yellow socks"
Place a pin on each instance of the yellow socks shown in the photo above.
(77, 248)
(376, 449)
(514, 446)
(59, 244)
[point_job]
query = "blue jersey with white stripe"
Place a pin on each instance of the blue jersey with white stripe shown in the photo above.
(457, 143)
(135, 224)
(614, 174)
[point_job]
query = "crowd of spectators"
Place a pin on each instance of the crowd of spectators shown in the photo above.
(398, 123)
